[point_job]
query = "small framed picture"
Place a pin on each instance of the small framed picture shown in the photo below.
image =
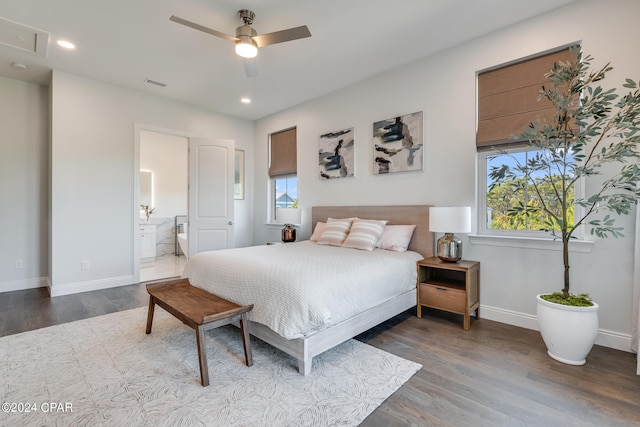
(238, 186)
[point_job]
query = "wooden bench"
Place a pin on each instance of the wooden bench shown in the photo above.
(201, 311)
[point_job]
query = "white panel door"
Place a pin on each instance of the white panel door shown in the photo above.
(211, 182)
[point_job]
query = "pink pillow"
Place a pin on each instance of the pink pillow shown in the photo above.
(317, 232)
(364, 234)
(335, 231)
(396, 237)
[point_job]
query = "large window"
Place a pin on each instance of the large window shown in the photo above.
(514, 206)
(507, 103)
(282, 170)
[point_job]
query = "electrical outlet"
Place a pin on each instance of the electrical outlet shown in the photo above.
(84, 265)
(18, 263)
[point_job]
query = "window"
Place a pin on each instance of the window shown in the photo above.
(285, 193)
(283, 170)
(512, 207)
(507, 103)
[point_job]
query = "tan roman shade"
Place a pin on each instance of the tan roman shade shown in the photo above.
(507, 99)
(284, 154)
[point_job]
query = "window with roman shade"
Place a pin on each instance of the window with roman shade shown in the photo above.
(508, 99)
(283, 153)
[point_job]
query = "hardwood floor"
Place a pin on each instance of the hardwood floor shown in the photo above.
(500, 375)
(30, 309)
(492, 375)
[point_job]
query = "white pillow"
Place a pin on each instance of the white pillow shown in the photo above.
(335, 231)
(364, 234)
(317, 232)
(396, 237)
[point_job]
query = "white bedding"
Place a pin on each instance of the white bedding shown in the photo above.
(298, 288)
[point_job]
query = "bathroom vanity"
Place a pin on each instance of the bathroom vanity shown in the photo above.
(147, 242)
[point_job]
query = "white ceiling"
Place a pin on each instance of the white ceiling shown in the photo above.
(125, 42)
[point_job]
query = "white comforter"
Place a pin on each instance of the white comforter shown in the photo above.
(298, 288)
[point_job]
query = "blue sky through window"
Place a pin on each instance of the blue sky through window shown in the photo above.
(511, 160)
(286, 191)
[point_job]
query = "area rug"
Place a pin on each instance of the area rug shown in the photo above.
(106, 371)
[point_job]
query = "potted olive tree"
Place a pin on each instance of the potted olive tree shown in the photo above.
(594, 136)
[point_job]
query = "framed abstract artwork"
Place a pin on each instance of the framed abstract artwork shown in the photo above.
(398, 144)
(336, 154)
(238, 185)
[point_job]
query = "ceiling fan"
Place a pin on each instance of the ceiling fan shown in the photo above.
(247, 39)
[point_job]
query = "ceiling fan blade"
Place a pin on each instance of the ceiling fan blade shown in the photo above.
(203, 28)
(282, 36)
(251, 67)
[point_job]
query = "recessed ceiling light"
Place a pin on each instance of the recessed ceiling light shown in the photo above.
(245, 101)
(66, 44)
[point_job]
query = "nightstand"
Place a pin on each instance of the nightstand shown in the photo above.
(449, 286)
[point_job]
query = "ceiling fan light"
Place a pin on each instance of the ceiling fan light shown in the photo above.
(246, 49)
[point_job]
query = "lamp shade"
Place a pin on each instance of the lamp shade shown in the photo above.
(450, 219)
(289, 216)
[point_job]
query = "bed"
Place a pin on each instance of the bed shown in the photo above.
(309, 297)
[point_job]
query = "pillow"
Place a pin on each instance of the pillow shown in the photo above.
(395, 237)
(317, 232)
(364, 234)
(335, 231)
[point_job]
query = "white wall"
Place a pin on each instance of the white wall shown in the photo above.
(92, 175)
(23, 184)
(443, 86)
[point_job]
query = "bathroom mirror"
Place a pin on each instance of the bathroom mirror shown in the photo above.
(146, 196)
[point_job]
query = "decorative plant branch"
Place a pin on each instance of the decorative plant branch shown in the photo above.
(147, 210)
(592, 128)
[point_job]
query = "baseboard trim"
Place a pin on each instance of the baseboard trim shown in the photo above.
(22, 284)
(510, 317)
(92, 285)
(614, 340)
(605, 338)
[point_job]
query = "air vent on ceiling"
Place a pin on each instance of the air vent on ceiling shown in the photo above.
(24, 38)
(153, 82)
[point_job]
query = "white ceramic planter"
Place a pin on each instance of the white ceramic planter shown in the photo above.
(568, 332)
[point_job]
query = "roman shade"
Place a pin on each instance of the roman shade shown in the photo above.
(507, 99)
(283, 159)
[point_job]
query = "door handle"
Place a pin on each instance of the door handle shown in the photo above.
(230, 223)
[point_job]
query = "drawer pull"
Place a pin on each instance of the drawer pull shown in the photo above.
(441, 289)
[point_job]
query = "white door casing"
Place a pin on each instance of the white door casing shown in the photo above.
(211, 179)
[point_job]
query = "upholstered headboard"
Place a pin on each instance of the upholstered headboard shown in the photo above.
(422, 240)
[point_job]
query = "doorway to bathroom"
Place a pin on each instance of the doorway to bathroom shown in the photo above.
(163, 200)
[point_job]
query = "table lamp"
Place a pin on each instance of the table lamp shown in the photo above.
(289, 217)
(449, 220)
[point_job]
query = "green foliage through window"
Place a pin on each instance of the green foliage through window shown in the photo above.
(517, 204)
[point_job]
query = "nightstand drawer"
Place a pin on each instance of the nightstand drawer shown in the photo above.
(442, 297)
